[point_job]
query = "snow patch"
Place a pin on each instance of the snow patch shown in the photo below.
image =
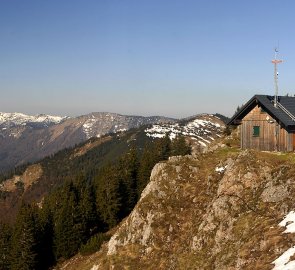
(156, 135)
(87, 126)
(220, 169)
(204, 129)
(94, 267)
(283, 262)
(121, 129)
(202, 143)
(23, 119)
(289, 222)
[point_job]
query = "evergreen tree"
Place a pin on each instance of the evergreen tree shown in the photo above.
(5, 246)
(108, 200)
(68, 230)
(163, 148)
(148, 160)
(179, 147)
(24, 253)
(45, 247)
(238, 109)
(127, 173)
(90, 221)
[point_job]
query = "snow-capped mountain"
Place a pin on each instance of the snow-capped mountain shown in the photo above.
(15, 119)
(202, 129)
(25, 138)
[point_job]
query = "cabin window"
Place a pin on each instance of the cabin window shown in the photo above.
(256, 131)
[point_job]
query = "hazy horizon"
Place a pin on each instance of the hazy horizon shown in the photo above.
(73, 116)
(169, 58)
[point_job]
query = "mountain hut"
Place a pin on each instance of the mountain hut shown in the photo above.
(267, 124)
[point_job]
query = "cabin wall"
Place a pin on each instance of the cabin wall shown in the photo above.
(267, 140)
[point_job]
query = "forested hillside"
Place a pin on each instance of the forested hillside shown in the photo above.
(83, 193)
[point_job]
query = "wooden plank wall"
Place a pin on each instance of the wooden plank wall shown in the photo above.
(267, 139)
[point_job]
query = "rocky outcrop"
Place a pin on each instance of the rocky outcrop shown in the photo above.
(216, 210)
(24, 181)
(139, 218)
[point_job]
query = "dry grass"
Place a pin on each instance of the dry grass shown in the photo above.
(247, 232)
(31, 175)
(88, 146)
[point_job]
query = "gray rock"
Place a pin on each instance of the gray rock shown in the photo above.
(275, 193)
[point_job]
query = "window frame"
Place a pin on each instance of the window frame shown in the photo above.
(256, 131)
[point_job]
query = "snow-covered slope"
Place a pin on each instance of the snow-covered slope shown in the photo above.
(99, 123)
(15, 119)
(203, 129)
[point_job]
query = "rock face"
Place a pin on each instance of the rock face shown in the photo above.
(193, 215)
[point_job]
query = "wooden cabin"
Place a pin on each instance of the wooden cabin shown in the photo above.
(264, 126)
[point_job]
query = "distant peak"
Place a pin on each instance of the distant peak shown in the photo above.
(21, 118)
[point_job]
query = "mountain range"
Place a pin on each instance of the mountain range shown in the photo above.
(40, 178)
(25, 138)
(220, 207)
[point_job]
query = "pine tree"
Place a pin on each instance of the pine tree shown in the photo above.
(5, 246)
(163, 147)
(90, 221)
(68, 230)
(45, 247)
(127, 173)
(148, 160)
(24, 253)
(179, 147)
(108, 201)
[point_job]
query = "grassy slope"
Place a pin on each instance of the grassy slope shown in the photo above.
(206, 219)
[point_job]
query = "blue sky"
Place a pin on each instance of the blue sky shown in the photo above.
(143, 57)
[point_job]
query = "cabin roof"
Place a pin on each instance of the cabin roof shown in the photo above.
(267, 103)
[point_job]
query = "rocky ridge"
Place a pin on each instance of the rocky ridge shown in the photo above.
(223, 209)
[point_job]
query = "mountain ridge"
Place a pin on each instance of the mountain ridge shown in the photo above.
(14, 119)
(26, 138)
